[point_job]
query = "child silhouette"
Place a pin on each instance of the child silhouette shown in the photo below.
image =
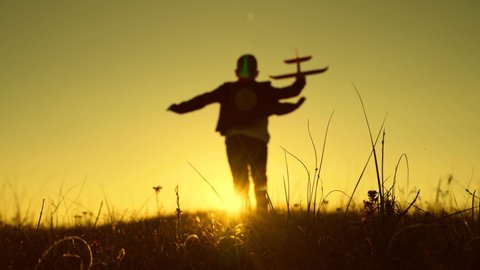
(245, 106)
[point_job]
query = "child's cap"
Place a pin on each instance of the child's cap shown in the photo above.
(247, 66)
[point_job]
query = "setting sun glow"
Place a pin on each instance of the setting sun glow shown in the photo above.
(232, 204)
(85, 87)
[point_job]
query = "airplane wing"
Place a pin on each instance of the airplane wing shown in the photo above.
(298, 59)
(304, 73)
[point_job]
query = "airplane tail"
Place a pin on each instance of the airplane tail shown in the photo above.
(297, 60)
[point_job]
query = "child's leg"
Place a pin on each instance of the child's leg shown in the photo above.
(258, 166)
(238, 160)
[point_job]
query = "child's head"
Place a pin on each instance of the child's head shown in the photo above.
(247, 67)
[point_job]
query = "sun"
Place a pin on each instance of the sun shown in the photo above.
(232, 204)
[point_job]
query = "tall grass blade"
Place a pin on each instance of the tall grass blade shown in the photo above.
(206, 181)
(324, 200)
(308, 178)
(286, 186)
(310, 186)
(318, 171)
(396, 170)
(473, 207)
(98, 216)
(408, 208)
(379, 180)
(40, 217)
(364, 169)
(382, 178)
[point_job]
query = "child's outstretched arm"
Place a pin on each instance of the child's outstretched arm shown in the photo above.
(195, 103)
(292, 90)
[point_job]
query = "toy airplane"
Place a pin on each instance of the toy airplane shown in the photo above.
(298, 60)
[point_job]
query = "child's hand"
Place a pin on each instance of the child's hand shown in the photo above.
(301, 78)
(300, 101)
(173, 108)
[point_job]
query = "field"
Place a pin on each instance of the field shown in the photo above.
(362, 239)
(379, 233)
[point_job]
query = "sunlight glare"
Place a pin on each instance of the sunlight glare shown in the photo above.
(232, 204)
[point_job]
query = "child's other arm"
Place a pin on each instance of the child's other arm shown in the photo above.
(292, 90)
(195, 103)
(284, 108)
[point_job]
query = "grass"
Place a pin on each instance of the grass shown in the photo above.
(216, 241)
(380, 234)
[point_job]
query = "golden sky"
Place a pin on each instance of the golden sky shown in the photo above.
(84, 87)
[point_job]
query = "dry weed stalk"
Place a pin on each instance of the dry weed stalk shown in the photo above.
(178, 211)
